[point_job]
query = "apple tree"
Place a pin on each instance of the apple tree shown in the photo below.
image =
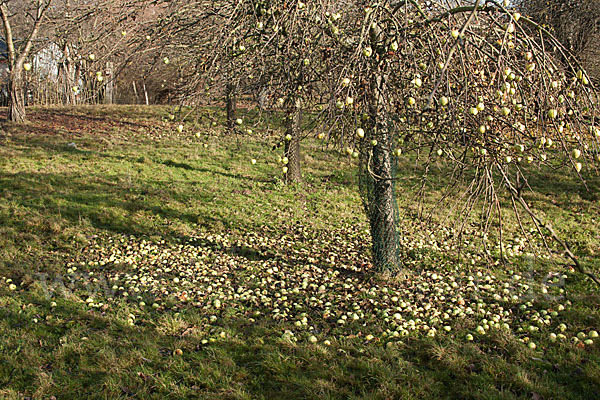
(473, 85)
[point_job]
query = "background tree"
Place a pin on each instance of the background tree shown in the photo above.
(90, 44)
(20, 20)
(575, 23)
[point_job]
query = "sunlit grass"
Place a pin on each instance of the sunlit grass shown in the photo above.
(155, 264)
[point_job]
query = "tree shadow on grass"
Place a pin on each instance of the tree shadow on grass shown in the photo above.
(104, 203)
(552, 183)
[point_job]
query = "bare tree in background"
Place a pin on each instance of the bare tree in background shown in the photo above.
(576, 25)
(33, 15)
(96, 41)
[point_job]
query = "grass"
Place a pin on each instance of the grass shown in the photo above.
(153, 264)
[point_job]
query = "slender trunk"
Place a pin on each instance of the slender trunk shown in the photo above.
(292, 147)
(262, 98)
(230, 104)
(78, 97)
(145, 94)
(135, 92)
(16, 103)
(109, 87)
(68, 83)
(377, 185)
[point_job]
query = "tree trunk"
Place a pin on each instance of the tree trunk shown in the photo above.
(146, 94)
(16, 102)
(230, 104)
(109, 86)
(292, 147)
(381, 216)
(135, 92)
(377, 185)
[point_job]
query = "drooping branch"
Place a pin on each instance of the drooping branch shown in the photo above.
(516, 195)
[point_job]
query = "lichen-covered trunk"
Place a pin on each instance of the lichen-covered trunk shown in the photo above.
(377, 184)
(292, 147)
(382, 218)
(230, 105)
(16, 102)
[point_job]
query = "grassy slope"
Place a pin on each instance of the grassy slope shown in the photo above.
(133, 189)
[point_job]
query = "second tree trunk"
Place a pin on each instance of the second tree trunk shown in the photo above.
(292, 147)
